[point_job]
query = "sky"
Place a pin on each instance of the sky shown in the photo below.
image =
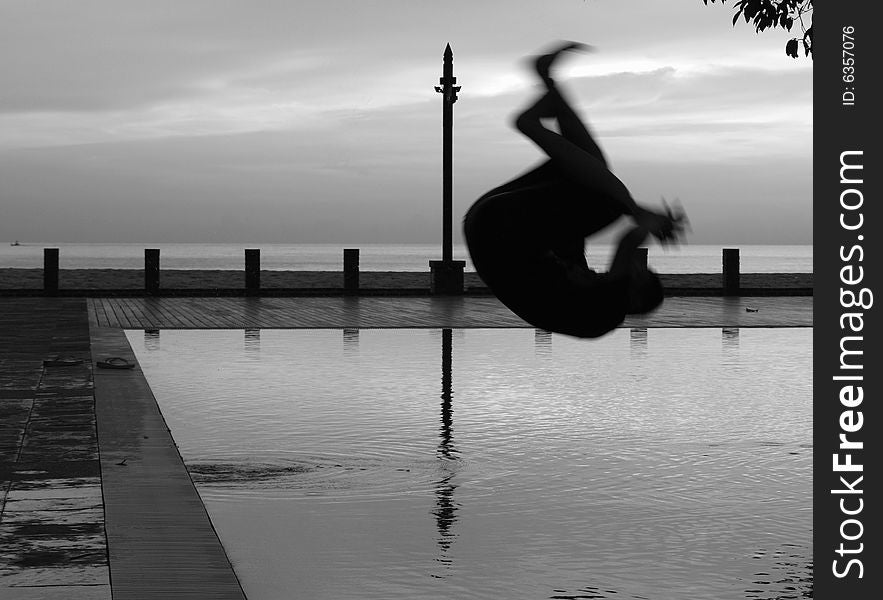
(311, 121)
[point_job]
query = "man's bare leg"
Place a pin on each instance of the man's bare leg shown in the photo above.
(571, 126)
(587, 171)
(576, 163)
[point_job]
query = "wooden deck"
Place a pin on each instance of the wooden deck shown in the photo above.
(419, 312)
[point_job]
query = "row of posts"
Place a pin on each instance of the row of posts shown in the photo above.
(252, 270)
(729, 276)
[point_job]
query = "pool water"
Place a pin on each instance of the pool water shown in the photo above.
(498, 463)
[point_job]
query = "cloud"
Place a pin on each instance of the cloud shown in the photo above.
(275, 118)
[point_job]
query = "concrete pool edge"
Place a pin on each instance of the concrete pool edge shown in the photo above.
(160, 538)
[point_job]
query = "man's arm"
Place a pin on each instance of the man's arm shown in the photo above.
(626, 252)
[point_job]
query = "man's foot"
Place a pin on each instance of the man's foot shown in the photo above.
(543, 64)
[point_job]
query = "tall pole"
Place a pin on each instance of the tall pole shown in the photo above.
(449, 96)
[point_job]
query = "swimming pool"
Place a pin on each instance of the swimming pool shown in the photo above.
(488, 463)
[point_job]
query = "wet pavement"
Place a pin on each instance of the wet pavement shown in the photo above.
(51, 513)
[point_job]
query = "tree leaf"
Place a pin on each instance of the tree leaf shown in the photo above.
(772, 14)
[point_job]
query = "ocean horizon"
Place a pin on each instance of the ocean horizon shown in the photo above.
(688, 258)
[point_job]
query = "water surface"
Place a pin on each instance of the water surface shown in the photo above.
(661, 463)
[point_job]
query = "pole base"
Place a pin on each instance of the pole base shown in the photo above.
(446, 276)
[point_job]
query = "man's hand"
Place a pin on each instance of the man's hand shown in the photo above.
(667, 226)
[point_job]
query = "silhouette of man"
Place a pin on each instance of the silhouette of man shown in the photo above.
(526, 238)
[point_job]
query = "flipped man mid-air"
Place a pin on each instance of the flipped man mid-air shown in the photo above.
(526, 238)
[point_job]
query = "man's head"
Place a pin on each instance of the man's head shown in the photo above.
(645, 291)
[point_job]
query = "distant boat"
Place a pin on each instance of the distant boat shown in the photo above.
(15, 243)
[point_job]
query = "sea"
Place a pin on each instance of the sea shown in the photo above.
(378, 257)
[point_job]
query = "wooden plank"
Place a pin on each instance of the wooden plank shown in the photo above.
(100, 313)
(164, 313)
(111, 313)
(98, 310)
(246, 313)
(153, 316)
(121, 315)
(142, 312)
(202, 314)
(124, 315)
(133, 314)
(189, 317)
(109, 316)
(161, 314)
(92, 308)
(150, 317)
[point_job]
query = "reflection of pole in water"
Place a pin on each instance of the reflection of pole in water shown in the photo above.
(151, 339)
(730, 338)
(446, 507)
(445, 448)
(445, 516)
(542, 342)
(252, 341)
(350, 341)
(638, 340)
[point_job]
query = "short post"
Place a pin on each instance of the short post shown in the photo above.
(50, 270)
(351, 269)
(151, 271)
(252, 270)
(641, 257)
(446, 276)
(730, 274)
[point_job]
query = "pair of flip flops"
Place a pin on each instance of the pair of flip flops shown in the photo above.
(115, 363)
